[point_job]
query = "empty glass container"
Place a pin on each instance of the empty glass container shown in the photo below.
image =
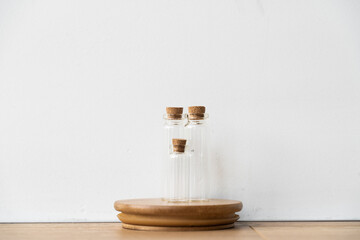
(173, 128)
(198, 147)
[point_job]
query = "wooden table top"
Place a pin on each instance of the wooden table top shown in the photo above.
(242, 231)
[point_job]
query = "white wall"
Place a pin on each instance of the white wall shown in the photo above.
(84, 84)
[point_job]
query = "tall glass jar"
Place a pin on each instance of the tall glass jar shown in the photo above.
(197, 134)
(178, 173)
(174, 127)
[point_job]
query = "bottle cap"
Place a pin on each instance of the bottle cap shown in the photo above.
(179, 144)
(174, 112)
(196, 112)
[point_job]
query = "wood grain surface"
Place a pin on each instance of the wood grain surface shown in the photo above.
(241, 231)
(156, 214)
(177, 229)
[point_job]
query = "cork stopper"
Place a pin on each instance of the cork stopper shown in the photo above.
(174, 112)
(179, 144)
(196, 112)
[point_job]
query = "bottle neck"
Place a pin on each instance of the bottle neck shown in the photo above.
(171, 120)
(176, 122)
(198, 121)
(198, 118)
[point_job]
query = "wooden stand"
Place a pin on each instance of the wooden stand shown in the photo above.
(156, 214)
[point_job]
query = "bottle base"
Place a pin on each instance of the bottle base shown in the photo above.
(183, 200)
(198, 200)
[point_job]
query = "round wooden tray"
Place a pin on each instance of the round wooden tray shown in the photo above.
(156, 214)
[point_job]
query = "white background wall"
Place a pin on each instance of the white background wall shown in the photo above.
(84, 84)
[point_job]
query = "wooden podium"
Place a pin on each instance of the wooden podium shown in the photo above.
(155, 214)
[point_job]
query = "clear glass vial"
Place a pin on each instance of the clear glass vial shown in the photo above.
(173, 128)
(178, 173)
(197, 134)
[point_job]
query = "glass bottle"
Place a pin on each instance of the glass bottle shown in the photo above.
(178, 173)
(197, 135)
(173, 128)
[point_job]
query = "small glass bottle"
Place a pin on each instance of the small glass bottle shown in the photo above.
(174, 127)
(198, 141)
(178, 173)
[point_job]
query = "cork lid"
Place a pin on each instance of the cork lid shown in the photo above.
(179, 144)
(174, 112)
(196, 112)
